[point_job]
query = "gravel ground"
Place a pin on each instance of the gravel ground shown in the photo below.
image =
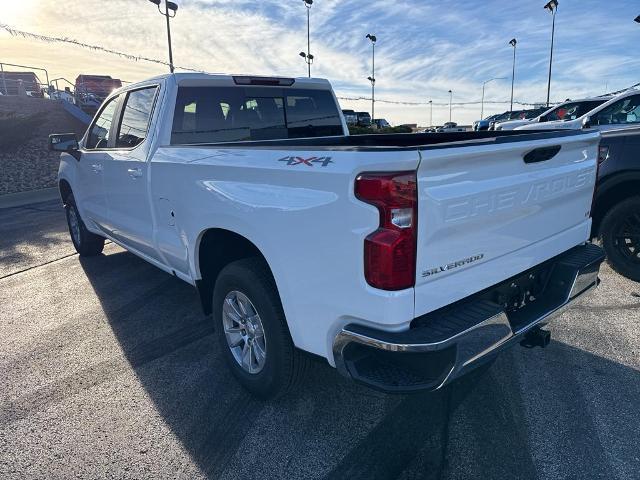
(31, 166)
(109, 370)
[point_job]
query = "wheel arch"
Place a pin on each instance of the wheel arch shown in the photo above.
(65, 189)
(216, 248)
(612, 192)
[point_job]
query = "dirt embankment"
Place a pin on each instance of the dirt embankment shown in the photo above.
(25, 124)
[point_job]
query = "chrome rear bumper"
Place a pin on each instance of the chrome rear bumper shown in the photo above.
(448, 343)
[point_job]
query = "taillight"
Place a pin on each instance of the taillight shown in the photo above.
(390, 251)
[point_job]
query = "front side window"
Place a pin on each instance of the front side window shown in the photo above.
(135, 117)
(625, 111)
(230, 114)
(99, 132)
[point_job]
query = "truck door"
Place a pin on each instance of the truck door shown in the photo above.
(96, 153)
(126, 175)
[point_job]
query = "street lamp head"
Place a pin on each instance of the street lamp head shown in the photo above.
(551, 5)
(637, 19)
(303, 55)
(450, 91)
(308, 3)
(310, 57)
(371, 79)
(157, 2)
(513, 42)
(373, 38)
(172, 6)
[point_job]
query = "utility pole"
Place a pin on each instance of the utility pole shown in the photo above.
(450, 100)
(430, 113)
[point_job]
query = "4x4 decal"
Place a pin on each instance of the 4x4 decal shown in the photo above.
(323, 161)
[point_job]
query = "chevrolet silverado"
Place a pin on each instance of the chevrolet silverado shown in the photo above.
(404, 260)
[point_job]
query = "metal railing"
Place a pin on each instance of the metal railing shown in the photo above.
(4, 79)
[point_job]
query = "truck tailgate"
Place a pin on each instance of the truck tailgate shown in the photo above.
(492, 210)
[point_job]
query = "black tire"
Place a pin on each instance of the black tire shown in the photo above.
(87, 244)
(284, 365)
(620, 237)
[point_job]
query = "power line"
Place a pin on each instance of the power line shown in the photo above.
(445, 104)
(48, 39)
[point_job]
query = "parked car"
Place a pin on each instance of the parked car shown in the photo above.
(569, 109)
(350, 117)
(91, 90)
(621, 111)
(450, 127)
(364, 119)
(616, 219)
(368, 250)
(381, 123)
(502, 117)
(480, 125)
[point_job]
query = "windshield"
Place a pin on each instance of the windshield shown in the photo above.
(625, 111)
(571, 111)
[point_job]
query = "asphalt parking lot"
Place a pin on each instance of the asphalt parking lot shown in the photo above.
(108, 369)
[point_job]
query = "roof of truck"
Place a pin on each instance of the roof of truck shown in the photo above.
(194, 78)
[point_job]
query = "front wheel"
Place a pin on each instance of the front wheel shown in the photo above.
(620, 237)
(252, 330)
(87, 244)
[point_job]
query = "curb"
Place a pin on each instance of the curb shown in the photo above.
(27, 198)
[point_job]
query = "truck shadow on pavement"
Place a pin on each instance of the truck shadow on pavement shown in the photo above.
(558, 413)
(32, 235)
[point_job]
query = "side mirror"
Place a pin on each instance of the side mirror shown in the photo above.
(586, 122)
(65, 142)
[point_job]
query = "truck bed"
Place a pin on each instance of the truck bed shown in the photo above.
(408, 141)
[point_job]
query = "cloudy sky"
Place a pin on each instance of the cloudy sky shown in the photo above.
(425, 47)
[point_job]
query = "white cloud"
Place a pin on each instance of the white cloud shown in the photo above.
(424, 48)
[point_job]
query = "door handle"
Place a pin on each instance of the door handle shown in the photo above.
(134, 172)
(97, 167)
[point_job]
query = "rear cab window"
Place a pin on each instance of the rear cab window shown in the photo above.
(229, 114)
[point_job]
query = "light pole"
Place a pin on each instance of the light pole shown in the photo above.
(482, 101)
(308, 58)
(513, 43)
(168, 7)
(372, 78)
(552, 6)
(450, 100)
(430, 113)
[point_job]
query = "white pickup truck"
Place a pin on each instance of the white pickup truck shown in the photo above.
(404, 260)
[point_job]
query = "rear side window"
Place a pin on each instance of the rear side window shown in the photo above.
(231, 114)
(135, 117)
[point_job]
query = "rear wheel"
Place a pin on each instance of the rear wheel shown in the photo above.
(252, 330)
(620, 237)
(87, 244)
